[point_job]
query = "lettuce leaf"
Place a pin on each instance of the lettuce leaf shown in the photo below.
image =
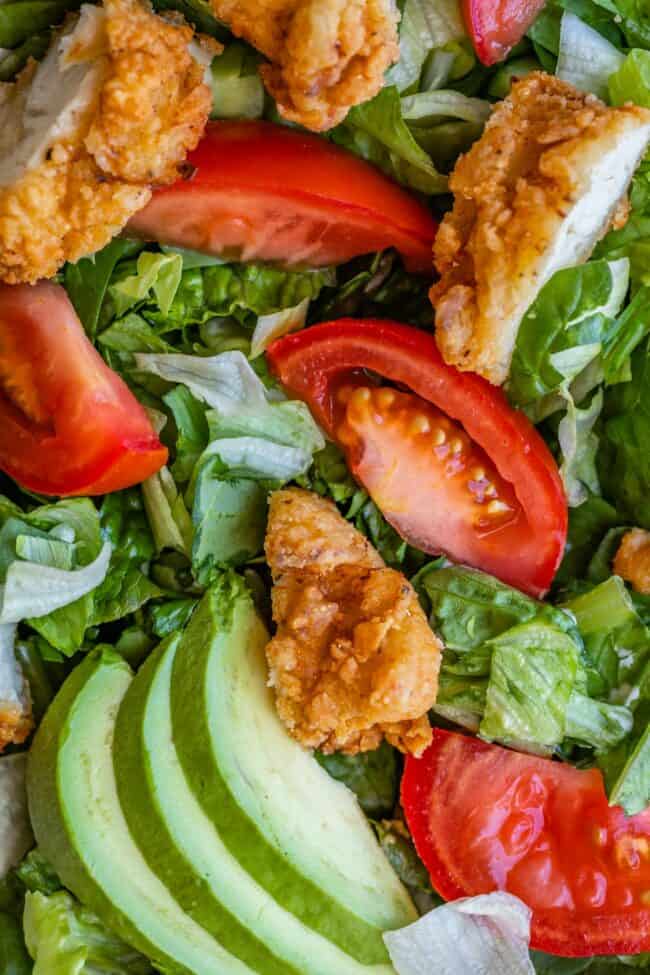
(631, 82)
(237, 89)
(426, 25)
(372, 776)
(65, 938)
(15, 830)
(475, 935)
(586, 59)
(155, 275)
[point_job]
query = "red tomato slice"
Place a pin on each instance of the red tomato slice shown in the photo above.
(68, 424)
(484, 818)
(265, 192)
(495, 26)
(484, 489)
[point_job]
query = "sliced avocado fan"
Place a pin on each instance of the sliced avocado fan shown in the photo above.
(177, 807)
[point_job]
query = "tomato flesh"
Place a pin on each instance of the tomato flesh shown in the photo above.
(68, 424)
(511, 521)
(495, 26)
(484, 818)
(265, 192)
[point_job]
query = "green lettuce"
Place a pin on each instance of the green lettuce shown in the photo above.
(586, 59)
(155, 275)
(425, 27)
(87, 281)
(20, 19)
(372, 776)
(532, 674)
(631, 82)
(571, 323)
(237, 89)
(65, 938)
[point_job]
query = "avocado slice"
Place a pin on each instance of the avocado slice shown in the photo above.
(297, 832)
(183, 848)
(79, 825)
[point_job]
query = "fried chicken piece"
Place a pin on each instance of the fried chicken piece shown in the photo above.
(16, 721)
(326, 55)
(111, 111)
(632, 560)
(533, 195)
(353, 659)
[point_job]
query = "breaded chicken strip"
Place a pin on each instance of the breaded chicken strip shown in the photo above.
(632, 560)
(16, 722)
(111, 111)
(326, 55)
(353, 659)
(533, 195)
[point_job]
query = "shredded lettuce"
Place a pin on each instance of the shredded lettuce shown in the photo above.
(274, 326)
(586, 59)
(579, 446)
(158, 275)
(426, 26)
(475, 935)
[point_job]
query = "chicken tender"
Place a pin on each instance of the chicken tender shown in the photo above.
(326, 55)
(632, 560)
(353, 659)
(16, 721)
(533, 195)
(111, 111)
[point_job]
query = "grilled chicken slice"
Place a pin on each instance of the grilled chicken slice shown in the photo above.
(112, 110)
(325, 55)
(353, 659)
(533, 195)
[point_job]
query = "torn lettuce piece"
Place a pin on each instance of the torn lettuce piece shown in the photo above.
(425, 26)
(586, 59)
(15, 830)
(378, 132)
(565, 329)
(155, 276)
(274, 326)
(475, 935)
(532, 675)
(372, 776)
(631, 81)
(598, 724)
(237, 89)
(627, 775)
(170, 522)
(64, 938)
(579, 446)
(229, 519)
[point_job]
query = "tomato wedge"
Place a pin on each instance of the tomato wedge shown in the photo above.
(484, 818)
(68, 424)
(451, 465)
(495, 26)
(265, 192)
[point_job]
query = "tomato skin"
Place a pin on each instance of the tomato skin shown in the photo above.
(495, 26)
(265, 192)
(484, 818)
(311, 364)
(68, 424)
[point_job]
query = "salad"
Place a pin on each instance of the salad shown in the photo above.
(324, 487)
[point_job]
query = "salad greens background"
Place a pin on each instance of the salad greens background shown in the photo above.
(570, 677)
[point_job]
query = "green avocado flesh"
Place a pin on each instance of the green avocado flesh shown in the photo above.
(175, 805)
(300, 834)
(81, 830)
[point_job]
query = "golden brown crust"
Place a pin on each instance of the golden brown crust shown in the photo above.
(153, 108)
(632, 560)
(353, 659)
(15, 726)
(326, 55)
(513, 190)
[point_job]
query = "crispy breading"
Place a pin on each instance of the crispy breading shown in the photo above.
(353, 659)
(534, 194)
(632, 560)
(325, 55)
(148, 108)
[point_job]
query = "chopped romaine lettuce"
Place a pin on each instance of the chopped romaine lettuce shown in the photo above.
(372, 776)
(631, 82)
(274, 326)
(426, 26)
(579, 446)
(237, 89)
(155, 275)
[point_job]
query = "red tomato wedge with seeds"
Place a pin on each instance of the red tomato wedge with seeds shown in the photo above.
(450, 464)
(68, 424)
(265, 192)
(484, 818)
(495, 26)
